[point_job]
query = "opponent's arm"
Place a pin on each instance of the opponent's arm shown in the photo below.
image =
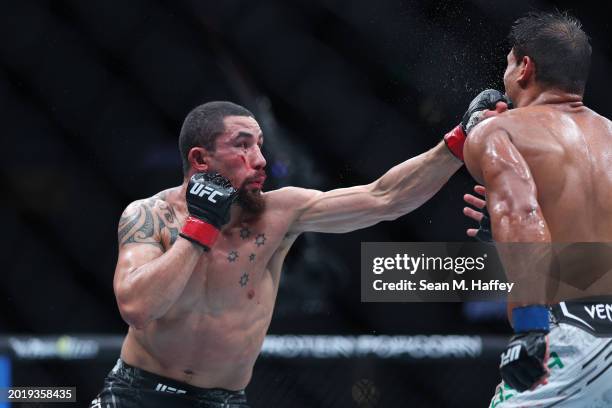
(148, 281)
(512, 201)
(523, 238)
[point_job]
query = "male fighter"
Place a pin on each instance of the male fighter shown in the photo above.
(197, 275)
(547, 169)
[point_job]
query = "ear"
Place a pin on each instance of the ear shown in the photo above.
(527, 71)
(199, 159)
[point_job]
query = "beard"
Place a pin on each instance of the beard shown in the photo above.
(252, 202)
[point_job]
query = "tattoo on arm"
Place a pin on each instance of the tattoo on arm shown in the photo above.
(137, 225)
(168, 216)
(146, 222)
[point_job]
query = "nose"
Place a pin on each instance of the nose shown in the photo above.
(258, 161)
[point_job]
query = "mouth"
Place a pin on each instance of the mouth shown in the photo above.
(256, 182)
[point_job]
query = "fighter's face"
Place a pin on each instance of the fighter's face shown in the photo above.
(511, 76)
(238, 155)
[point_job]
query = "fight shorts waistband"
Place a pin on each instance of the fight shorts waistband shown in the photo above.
(592, 314)
(142, 379)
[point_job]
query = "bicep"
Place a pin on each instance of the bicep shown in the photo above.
(506, 175)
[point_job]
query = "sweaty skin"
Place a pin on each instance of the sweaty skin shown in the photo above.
(547, 167)
(201, 317)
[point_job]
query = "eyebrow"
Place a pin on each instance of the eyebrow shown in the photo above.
(246, 135)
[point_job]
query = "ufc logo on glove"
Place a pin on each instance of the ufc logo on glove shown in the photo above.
(200, 189)
(510, 355)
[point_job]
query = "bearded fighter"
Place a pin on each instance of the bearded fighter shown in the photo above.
(199, 264)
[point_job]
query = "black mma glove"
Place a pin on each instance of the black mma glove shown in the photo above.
(523, 364)
(484, 233)
(209, 198)
(486, 100)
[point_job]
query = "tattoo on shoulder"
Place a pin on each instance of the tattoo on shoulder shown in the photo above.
(167, 217)
(143, 222)
(137, 225)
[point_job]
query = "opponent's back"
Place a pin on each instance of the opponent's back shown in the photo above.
(568, 149)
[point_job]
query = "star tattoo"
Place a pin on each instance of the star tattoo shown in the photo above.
(244, 279)
(252, 257)
(260, 239)
(245, 232)
(232, 256)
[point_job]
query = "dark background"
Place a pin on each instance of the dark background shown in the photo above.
(93, 94)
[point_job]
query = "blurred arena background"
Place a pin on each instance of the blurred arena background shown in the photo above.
(92, 96)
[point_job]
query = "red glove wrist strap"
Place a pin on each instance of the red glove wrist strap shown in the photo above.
(200, 231)
(454, 141)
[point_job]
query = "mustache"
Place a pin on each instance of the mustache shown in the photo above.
(257, 176)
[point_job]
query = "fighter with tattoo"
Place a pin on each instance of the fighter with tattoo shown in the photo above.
(199, 264)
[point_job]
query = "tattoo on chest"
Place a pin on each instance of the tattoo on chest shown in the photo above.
(260, 240)
(232, 256)
(245, 233)
(244, 279)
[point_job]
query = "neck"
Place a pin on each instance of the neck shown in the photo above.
(538, 96)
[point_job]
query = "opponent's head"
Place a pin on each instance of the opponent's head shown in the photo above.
(226, 138)
(550, 51)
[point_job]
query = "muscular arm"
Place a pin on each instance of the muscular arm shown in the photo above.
(517, 222)
(148, 280)
(402, 189)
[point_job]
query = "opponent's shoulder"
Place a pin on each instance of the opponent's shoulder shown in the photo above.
(480, 134)
(289, 197)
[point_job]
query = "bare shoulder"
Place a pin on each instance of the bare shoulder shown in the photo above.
(150, 220)
(502, 123)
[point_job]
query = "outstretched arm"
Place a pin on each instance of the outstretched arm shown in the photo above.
(402, 189)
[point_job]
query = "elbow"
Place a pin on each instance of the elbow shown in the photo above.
(523, 223)
(133, 317)
(131, 312)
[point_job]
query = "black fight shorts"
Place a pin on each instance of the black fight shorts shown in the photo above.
(130, 387)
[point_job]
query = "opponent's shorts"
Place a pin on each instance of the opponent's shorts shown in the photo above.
(130, 387)
(580, 363)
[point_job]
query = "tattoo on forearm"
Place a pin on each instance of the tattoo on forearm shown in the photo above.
(174, 233)
(169, 216)
(252, 258)
(232, 256)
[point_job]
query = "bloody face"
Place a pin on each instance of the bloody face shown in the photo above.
(238, 157)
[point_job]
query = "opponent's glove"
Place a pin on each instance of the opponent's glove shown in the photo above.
(486, 100)
(209, 198)
(523, 364)
(484, 233)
